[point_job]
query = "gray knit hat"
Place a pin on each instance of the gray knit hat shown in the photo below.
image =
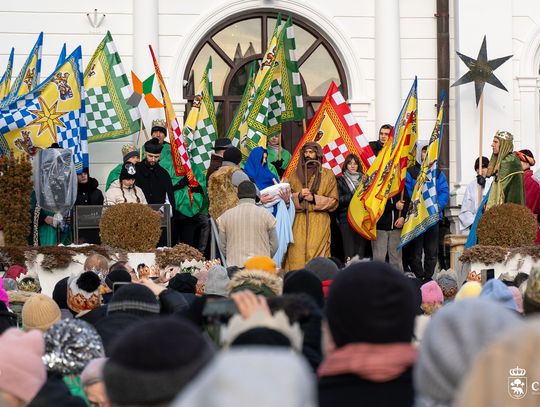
(452, 340)
(217, 282)
(322, 267)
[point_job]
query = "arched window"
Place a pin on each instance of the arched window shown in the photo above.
(244, 38)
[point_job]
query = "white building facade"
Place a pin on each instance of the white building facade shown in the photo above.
(379, 46)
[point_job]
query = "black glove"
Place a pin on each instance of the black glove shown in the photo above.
(181, 184)
(277, 163)
(481, 180)
(197, 189)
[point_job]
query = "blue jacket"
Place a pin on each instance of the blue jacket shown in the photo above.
(442, 186)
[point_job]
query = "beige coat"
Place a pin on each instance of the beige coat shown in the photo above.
(115, 196)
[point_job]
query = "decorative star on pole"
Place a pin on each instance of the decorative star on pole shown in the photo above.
(481, 71)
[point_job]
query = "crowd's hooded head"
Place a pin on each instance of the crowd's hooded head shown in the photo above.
(506, 146)
(371, 302)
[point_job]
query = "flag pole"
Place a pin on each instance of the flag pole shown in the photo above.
(480, 188)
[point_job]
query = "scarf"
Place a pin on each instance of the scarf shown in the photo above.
(373, 362)
(353, 179)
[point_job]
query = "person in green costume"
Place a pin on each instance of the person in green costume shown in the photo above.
(131, 155)
(505, 168)
(275, 164)
(191, 224)
(44, 227)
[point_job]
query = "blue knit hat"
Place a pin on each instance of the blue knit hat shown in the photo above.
(496, 290)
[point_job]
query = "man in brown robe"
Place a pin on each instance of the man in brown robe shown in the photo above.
(315, 195)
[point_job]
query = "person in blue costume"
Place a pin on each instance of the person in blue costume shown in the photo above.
(256, 168)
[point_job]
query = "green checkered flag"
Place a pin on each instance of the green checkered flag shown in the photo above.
(107, 88)
(240, 114)
(200, 129)
(290, 77)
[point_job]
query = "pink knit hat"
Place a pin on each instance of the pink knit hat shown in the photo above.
(22, 370)
(3, 294)
(518, 298)
(432, 293)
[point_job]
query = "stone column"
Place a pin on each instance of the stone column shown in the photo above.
(387, 62)
(145, 31)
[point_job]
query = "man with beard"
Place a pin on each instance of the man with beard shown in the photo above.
(505, 168)
(153, 179)
(315, 195)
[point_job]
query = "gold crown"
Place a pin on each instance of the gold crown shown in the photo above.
(474, 276)
(517, 371)
(504, 135)
(159, 123)
(128, 148)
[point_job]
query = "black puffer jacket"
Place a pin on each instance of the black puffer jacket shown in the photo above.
(391, 213)
(345, 196)
(89, 194)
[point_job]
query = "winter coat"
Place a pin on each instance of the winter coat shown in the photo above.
(351, 390)
(376, 147)
(391, 213)
(55, 392)
(155, 182)
(216, 162)
(116, 195)
(89, 194)
(345, 196)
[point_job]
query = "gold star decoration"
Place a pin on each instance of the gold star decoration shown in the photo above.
(47, 118)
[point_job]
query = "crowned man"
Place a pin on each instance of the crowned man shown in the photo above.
(315, 195)
(505, 168)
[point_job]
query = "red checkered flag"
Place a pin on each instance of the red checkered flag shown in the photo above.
(336, 130)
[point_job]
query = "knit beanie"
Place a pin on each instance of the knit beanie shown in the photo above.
(83, 292)
(247, 189)
(452, 340)
(447, 280)
(264, 263)
(93, 372)
(323, 268)
(69, 345)
(134, 299)
(471, 289)
(128, 172)
(152, 146)
(59, 294)
(496, 290)
(233, 155)
(431, 293)
(183, 283)
(304, 281)
(128, 151)
(152, 361)
(371, 302)
(15, 271)
(10, 284)
(40, 312)
(531, 299)
(22, 372)
(518, 298)
(217, 281)
(117, 276)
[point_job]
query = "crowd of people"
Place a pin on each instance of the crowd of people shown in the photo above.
(363, 333)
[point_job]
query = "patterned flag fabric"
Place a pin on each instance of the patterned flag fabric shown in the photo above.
(200, 128)
(386, 177)
(232, 132)
(293, 102)
(142, 90)
(28, 77)
(107, 88)
(5, 82)
(423, 211)
(52, 113)
(263, 113)
(180, 157)
(337, 132)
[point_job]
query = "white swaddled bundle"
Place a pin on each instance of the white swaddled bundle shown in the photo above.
(273, 191)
